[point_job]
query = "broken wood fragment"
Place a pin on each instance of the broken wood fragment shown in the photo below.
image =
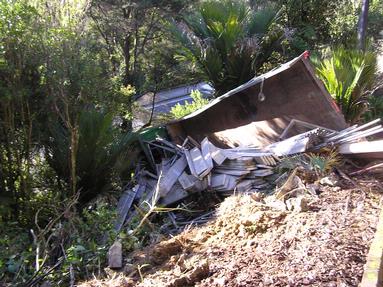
(365, 147)
(216, 154)
(124, 205)
(115, 255)
(170, 177)
(206, 153)
(176, 194)
(200, 166)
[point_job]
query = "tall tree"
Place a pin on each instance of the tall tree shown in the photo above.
(131, 30)
(362, 24)
(20, 100)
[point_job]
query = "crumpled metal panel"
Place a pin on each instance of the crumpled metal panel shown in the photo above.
(291, 91)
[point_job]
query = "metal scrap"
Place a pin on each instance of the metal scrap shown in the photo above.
(202, 167)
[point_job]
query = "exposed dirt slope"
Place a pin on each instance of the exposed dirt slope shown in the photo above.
(250, 244)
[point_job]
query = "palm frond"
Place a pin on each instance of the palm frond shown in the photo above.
(261, 21)
(228, 41)
(348, 75)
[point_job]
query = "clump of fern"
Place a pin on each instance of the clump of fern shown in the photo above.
(312, 165)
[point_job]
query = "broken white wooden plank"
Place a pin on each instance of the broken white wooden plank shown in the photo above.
(218, 180)
(187, 181)
(257, 181)
(141, 189)
(169, 178)
(342, 135)
(216, 154)
(261, 172)
(264, 166)
(115, 255)
(362, 147)
(230, 184)
(260, 160)
(366, 133)
(243, 161)
(164, 166)
(172, 150)
(200, 166)
(194, 142)
(356, 134)
(200, 185)
(206, 153)
(244, 186)
(169, 144)
(236, 154)
(293, 145)
(190, 163)
(223, 182)
(124, 205)
(266, 160)
(174, 195)
(231, 171)
(208, 180)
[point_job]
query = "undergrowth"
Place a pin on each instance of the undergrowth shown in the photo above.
(71, 246)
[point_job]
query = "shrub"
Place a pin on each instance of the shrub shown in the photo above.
(77, 243)
(179, 111)
(375, 108)
(348, 76)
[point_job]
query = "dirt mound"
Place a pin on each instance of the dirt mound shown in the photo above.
(252, 244)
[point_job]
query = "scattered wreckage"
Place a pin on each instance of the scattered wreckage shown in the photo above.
(237, 142)
(202, 167)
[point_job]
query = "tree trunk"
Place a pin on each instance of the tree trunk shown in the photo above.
(126, 51)
(362, 25)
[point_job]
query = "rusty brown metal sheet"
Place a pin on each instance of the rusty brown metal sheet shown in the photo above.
(291, 91)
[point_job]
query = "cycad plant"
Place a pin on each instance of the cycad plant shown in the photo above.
(103, 153)
(228, 41)
(349, 75)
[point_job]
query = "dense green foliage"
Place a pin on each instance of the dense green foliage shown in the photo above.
(59, 146)
(102, 153)
(348, 76)
(375, 106)
(179, 111)
(137, 41)
(78, 245)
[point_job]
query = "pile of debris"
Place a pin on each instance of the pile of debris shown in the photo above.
(250, 242)
(196, 167)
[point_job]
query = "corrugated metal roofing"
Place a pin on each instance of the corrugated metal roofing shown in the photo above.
(166, 99)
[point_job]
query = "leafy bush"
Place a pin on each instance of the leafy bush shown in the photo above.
(179, 111)
(375, 108)
(348, 76)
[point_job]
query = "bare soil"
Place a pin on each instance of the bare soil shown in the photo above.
(251, 244)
